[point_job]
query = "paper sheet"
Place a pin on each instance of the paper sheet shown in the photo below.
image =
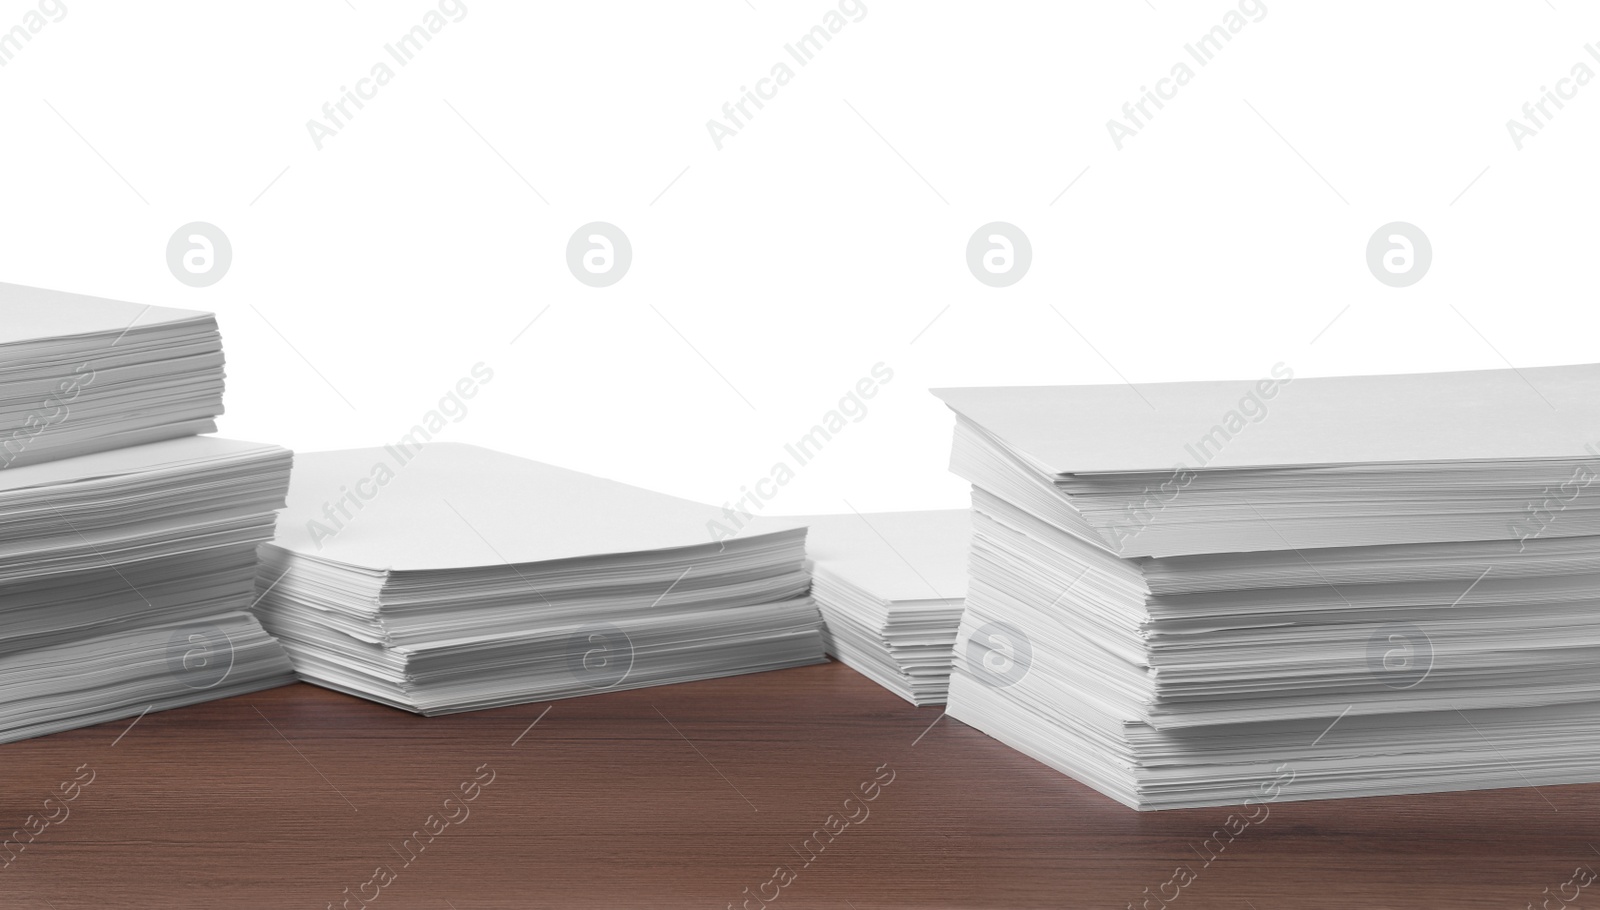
(1537, 412)
(38, 314)
(896, 556)
(448, 505)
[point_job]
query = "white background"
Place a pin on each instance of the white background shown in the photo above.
(806, 249)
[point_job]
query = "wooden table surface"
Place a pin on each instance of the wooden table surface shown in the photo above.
(686, 796)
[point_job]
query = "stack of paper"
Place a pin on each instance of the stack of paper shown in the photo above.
(82, 374)
(1185, 592)
(125, 577)
(891, 586)
(447, 577)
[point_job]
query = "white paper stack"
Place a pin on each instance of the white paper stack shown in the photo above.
(1196, 593)
(83, 374)
(125, 577)
(891, 587)
(447, 578)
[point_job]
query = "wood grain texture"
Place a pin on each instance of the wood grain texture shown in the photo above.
(684, 796)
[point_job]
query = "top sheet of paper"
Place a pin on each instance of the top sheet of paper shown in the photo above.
(895, 556)
(28, 313)
(453, 506)
(1537, 412)
(128, 460)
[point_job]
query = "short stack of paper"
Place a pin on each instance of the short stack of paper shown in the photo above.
(891, 586)
(446, 577)
(82, 374)
(1189, 594)
(125, 581)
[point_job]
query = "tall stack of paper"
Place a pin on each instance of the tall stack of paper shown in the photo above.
(891, 586)
(447, 577)
(125, 577)
(82, 374)
(1191, 594)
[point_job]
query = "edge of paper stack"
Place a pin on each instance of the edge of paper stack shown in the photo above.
(891, 587)
(1194, 594)
(127, 543)
(452, 578)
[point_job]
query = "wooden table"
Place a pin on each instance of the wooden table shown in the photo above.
(686, 796)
